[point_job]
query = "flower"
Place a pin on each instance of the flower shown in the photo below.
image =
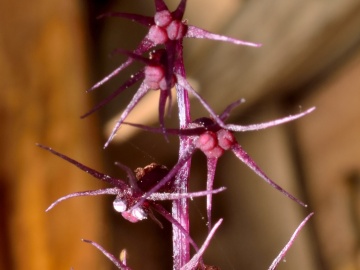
(128, 195)
(212, 139)
(165, 67)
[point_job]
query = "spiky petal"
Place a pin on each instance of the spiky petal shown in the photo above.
(283, 252)
(246, 159)
(196, 258)
(111, 257)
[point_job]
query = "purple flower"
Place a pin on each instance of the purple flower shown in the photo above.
(128, 195)
(212, 139)
(165, 67)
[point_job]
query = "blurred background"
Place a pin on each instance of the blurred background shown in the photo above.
(51, 52)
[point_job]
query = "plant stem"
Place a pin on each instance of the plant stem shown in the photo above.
(180, 209)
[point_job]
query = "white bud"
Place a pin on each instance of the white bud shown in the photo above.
(119, 205)
(139, 213)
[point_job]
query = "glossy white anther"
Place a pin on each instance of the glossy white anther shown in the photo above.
(139, 213)
(119, 205)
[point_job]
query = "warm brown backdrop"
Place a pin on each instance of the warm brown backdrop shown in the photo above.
(51, 52)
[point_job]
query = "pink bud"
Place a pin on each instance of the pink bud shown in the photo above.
(206, 141)
(216, 152)
(157, 35)
(225, 138)
(163, 18)
(153, 76)
(176, 30)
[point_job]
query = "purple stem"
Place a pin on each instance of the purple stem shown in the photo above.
(180, 208)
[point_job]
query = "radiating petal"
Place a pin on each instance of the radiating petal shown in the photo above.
(108, 191)
(161, 210)
(103, 177)
(245, 158)
(195, 32)
(135, 56)
(143, 89)
(160, 5)
(191, 265)
(289, 244)
(265, 125)
(164, 94)
(226, 113)
(143, 47)
(183, 82)
(180, 10)
(111, 257)
(126, 85)
(174, 131)
(211, 168)
(175, 196)
(130, 174)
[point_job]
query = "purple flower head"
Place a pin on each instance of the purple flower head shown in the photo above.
(128, 195)
(167, 29)
(212, 139)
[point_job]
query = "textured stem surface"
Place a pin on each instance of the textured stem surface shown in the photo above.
(180, 209)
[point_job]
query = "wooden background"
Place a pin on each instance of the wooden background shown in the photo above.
(51, 52)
